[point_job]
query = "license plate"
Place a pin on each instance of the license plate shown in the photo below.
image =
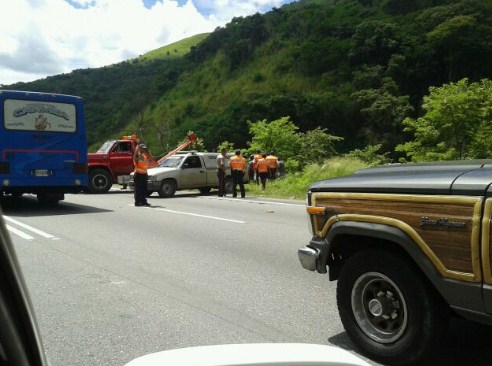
(41, 173)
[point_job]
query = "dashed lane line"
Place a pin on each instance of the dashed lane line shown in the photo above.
(194, 214)
(22, 234)
(28, 227)
(198, 215)
(245, 200)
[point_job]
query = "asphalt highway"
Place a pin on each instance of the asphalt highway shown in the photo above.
(110, 282)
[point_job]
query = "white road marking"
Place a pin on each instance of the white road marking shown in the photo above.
(256, 201)
(19, 233)
(30, 228)
(198, 215)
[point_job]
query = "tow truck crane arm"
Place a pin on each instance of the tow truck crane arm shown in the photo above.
(191, 138)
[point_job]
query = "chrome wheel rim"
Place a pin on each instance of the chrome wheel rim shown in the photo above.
(100, 181)
(379, 307)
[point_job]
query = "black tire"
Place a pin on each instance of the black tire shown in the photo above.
(205, 190)
(228, 185)
(47, 199)
(168, 188)
(100, 181)
(388, 308)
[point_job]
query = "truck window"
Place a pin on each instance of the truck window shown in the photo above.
(192, 162)
(105, 147)
(123, 147)
(172, 161)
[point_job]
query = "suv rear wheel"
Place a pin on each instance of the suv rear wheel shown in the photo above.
(388, 308)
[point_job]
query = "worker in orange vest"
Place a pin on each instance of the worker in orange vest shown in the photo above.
(262, 169)
(272, 165)
(141, 160)
(238, 167)
(256, 157)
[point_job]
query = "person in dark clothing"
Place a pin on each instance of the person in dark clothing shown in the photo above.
(141, 160)
(238, 166)
(263, 171)
(221, 171)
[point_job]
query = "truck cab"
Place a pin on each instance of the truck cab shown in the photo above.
(112, 163)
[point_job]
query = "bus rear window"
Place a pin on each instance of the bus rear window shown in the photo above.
(30, 115)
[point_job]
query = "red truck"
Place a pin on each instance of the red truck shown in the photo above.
(113, 162)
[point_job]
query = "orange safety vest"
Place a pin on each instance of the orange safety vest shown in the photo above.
(262, 165)
(237, 162)
(141, 164)
(272, 161)
(255, 160)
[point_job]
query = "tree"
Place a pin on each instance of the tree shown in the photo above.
(370, 155)
(456, 125)
(229, 146)
(454, 37)
(140, 124)
(384, 110)
(317, 145)
(279, 136)
(162, 132)
(374, 42)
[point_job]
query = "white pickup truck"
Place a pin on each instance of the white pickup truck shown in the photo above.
(186, 170)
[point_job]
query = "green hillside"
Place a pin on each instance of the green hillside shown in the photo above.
(357, 68)
(116, 95)
(176, 49)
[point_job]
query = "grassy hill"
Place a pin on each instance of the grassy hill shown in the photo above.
(174, 50)
(116, 95)
(355, 67)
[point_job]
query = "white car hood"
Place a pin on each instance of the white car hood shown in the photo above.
(260, 354)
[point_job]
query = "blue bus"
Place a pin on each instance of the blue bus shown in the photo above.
(43, 145)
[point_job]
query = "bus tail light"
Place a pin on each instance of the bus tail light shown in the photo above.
(80, 168)
(4, 168)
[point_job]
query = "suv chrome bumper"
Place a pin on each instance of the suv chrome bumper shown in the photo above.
(308, 258)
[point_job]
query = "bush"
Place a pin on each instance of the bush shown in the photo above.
(295, 185)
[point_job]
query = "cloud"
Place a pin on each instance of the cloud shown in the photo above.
(46, 37)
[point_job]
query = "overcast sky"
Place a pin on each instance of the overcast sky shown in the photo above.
(39, 38)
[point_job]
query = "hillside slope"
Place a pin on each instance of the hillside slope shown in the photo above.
(355, 67)
(116, 95)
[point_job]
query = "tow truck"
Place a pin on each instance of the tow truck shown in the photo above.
(113, 162)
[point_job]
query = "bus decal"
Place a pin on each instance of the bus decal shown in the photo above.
(39, 116)
(40, 108)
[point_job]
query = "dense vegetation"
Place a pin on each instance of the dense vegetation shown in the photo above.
(356, 68)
